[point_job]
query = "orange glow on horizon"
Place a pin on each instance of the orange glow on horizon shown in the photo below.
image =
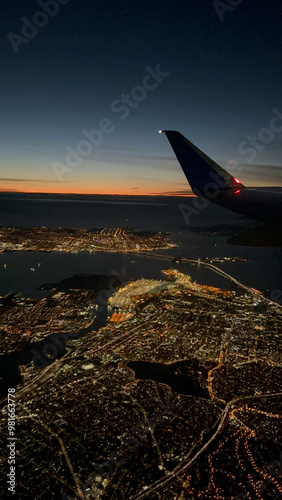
(67, 189)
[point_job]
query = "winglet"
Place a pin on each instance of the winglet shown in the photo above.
(200, 170)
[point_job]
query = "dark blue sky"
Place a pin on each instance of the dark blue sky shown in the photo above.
(73, 72)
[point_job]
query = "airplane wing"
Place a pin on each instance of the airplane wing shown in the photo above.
(199, 169)
(209, 180)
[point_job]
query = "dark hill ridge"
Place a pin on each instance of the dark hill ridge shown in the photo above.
(95, 282)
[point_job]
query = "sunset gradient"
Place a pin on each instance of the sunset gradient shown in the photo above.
(130, 71)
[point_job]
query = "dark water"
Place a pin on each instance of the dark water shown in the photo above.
(178, 376)
(263, 269)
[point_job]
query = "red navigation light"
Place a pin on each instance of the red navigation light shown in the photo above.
(236, 180)
(238, 191)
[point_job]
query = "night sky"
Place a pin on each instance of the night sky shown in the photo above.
(176, 65)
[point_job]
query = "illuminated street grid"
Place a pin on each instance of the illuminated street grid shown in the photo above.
(44, 239)
(93, 427)
(25, 320)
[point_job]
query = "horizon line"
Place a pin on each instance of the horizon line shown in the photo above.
(176, 195)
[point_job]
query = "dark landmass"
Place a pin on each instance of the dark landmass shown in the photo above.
(7, 300)
(245, 235)
(220, 229)
(260, 236)
(95, 282)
